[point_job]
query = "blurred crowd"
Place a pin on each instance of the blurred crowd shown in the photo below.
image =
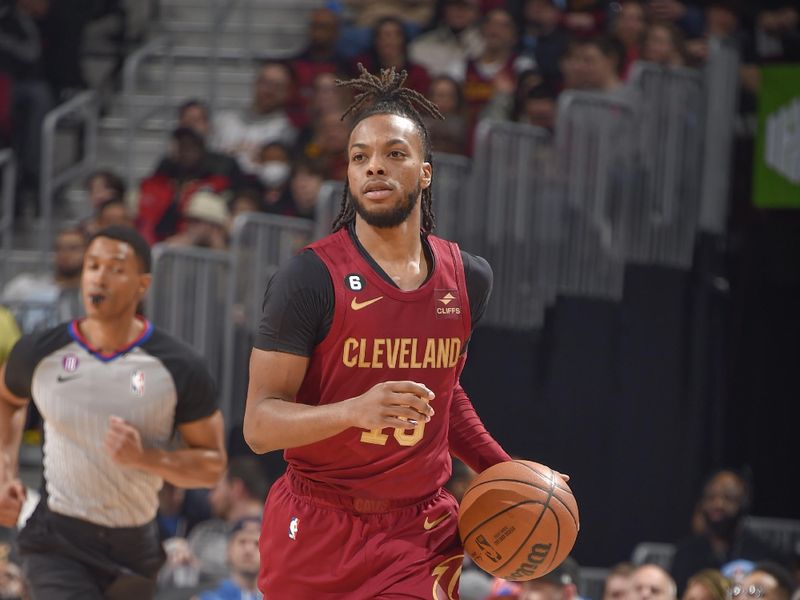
(477, 59)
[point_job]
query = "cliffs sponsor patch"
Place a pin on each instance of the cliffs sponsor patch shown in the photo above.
(447, 304)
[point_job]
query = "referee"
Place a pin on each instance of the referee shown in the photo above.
(112, 391)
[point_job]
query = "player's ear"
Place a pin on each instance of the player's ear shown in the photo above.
(145, 279)
(426, 175)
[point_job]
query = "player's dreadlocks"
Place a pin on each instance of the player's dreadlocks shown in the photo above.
(385, 94)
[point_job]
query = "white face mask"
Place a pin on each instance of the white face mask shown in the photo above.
(273, 173)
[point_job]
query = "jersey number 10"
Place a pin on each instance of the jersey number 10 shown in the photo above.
(375, 436)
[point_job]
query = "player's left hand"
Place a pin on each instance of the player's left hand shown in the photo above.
(123, 442)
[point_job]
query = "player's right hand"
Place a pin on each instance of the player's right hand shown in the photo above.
(12, 497)
(401, 404)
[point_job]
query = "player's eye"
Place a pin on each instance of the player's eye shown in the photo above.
(357, 157)
(396, 154)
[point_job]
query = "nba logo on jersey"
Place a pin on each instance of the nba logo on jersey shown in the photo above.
(137, 382)
(294, 525)
(70, 363)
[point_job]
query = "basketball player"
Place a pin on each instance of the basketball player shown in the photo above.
(355, 373)
(112, 390)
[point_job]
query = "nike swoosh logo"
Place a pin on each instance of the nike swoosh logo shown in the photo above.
(428, 525)
(63, 378)
(356, 305)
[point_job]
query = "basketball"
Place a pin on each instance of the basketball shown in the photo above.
(518, 520)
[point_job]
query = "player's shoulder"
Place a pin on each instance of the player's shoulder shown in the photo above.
(174, 353)
(305, 270)
(35, 346)
(477, 270)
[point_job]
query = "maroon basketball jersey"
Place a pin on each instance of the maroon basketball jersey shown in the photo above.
(381, 333)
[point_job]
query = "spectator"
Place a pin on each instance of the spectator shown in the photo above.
(497, 68)
(242, 133)
(652, 582)
(319, 57)
(602, 62)
(664, 45)
(163, 196)
(543, 36)
(777, 33)
(273, 168)
(328, 99)
(686, 16)
(363, 17)
(628, 27)
(103, 186)
(456, 39)
(111, 212)
(450, 134)
(708, 584)
(328, 144)
(724, 503)
(238, 495)
(31, 97)
(585, 18)
(53, 296)
(539, 108)
(246, 201)
(559, 584)
(390, 49)
(573, 68)
(304, 188)
(207, 220)
(193, 114)
(243, 562)
(619, 583)
(768, 580)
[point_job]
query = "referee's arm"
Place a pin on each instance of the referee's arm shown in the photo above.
(12, 422)
(201, 464)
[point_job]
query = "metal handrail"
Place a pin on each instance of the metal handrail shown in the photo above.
(132, 100)
(84, 107)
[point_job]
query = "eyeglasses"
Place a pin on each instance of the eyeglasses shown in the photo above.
(751, 591)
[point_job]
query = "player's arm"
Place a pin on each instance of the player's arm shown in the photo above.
(12, 422)
(468, 438)
(273, 420)
(200, 464)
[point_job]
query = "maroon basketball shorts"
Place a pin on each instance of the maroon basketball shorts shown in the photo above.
(318, 545)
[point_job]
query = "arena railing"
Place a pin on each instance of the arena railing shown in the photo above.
(450, 184)
(81, 110)
(189, 299)
(140, 107)
(669, 164)
(260, 243)
(782, 534)
(506, 215)
(721, 75)
(596, 146)
(8, 172)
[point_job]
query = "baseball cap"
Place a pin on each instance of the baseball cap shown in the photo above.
(564, 574)
(207, 206)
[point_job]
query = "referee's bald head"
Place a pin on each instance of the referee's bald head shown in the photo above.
(127, 235)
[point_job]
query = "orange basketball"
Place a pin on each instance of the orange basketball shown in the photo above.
(518, 520)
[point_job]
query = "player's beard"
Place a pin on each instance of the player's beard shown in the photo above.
(387, 218)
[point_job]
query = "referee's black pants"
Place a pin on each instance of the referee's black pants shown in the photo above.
(71, 559)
